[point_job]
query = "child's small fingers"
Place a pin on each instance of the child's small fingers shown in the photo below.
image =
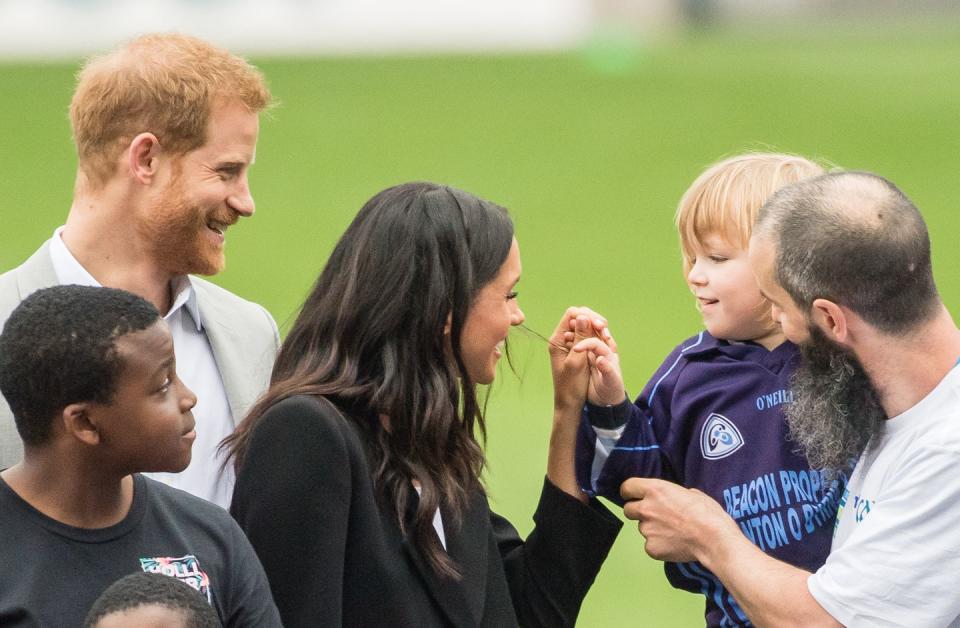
(593, 344)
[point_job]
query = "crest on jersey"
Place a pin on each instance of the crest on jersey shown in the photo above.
(719, 437)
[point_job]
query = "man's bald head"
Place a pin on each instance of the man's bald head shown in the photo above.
(853, 238)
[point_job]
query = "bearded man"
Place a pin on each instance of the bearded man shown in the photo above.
(845, 260)
(165, 129)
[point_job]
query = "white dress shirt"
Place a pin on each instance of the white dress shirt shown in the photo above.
(197, 368)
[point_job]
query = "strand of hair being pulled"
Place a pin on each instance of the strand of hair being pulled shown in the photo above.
(537, 334)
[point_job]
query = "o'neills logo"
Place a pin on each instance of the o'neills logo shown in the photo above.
(186, 569)
(719, 437)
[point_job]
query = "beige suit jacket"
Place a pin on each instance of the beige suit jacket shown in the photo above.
(243, 336)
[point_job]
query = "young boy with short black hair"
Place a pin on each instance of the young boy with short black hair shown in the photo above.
(153, 599)
(90, 376)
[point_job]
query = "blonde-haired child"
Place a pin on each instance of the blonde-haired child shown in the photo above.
(711, 417)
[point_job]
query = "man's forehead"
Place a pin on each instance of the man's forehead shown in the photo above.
(761, 255)
(761, 249)
(231, 126)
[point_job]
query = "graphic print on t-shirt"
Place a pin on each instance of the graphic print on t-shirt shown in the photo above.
(186, 569)
(719, 437)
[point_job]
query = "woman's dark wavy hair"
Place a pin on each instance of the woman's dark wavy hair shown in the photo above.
(371, 334)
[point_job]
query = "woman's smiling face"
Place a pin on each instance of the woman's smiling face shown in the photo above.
(493, 312)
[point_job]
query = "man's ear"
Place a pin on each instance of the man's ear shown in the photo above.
(831, 319)
(77, 423)
(142, 157)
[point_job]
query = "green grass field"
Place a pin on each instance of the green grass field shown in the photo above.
(591, 163)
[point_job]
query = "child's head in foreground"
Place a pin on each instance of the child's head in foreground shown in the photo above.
(715, 219)
(151, 600)
(93, 369)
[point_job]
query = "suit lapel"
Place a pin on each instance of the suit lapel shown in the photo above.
(462, 601)
(227, 344)
(37, 272)
(469, 547)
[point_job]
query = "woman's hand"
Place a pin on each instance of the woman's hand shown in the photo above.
(571, 380)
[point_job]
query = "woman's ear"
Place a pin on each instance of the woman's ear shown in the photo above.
(447, 326)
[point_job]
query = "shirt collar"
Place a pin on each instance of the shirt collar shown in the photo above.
(70, 271)
(184, 295)
(708, 345)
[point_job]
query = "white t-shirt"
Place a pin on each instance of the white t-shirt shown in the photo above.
(895, 556)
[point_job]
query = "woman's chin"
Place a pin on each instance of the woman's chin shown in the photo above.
(485, 378)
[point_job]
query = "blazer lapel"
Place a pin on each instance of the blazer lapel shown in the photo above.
(469, 547)
(227, 345)
(461, 600)
(36, 273)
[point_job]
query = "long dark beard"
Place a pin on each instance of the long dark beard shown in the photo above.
(836, 410)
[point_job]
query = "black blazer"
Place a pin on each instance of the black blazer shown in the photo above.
(305, 499)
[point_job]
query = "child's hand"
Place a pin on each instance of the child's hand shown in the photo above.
(571, 371)
(606, 380)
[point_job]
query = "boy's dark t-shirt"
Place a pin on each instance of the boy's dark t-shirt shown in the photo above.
(712, 418)
(56, 572)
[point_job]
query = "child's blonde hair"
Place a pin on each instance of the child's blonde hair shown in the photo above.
(725, 199)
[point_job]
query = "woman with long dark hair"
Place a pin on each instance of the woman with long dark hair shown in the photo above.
(358, 472)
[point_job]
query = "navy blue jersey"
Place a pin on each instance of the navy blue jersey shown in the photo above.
(711, 418)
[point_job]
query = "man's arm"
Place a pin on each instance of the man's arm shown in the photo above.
(683, 525)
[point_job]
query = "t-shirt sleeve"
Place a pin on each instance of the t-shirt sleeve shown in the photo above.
(896, 566)
(625, 441)
(285, 493)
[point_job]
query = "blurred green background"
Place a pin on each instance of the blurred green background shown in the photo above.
(590, 150)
